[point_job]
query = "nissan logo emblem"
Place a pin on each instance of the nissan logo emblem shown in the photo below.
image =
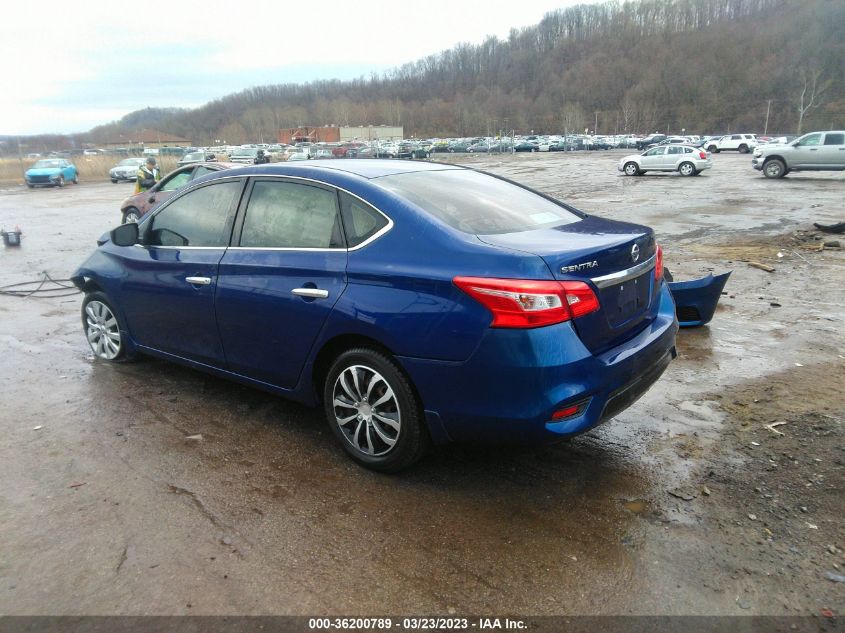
(635, 253)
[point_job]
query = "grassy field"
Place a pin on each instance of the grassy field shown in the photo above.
(91, 168)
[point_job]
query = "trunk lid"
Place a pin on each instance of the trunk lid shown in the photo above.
(615, 258)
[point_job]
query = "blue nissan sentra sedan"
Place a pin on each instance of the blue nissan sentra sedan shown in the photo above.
(413, 301)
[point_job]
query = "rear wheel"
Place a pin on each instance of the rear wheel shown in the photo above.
(713, 149)
(60, 182)
(373, 411)
(743, 149)
(75, 179)
(687, 169)
(631, 169)
(774, 168)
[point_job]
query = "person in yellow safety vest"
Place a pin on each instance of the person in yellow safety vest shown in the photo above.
(148, 175)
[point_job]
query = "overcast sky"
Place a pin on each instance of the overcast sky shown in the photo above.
(70, 65)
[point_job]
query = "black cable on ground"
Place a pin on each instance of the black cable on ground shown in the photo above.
(56, 288)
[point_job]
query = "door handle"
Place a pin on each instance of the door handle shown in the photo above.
(199, 281)
(814, 149)
(312, 293)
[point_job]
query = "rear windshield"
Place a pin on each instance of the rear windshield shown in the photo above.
(477, 203)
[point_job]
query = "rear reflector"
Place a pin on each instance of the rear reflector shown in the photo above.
(528, 303)
(658, 264)
(571, 411)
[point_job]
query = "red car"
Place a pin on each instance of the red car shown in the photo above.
(341, 151)
(134, 207)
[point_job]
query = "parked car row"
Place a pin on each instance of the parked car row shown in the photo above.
(816, 151)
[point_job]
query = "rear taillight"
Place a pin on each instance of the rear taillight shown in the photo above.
(658, 264)
(702, 155)
(526, 303)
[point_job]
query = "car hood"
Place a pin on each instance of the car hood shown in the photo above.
(44, 171)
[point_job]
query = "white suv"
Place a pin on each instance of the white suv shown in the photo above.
(742, 143)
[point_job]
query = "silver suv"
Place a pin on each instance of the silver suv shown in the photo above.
(816, 151)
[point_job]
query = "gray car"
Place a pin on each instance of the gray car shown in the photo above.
(816, 151)
(684, 159)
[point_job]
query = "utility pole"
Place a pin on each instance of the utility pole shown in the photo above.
(768, 109)
(20, 159)
(596, 126)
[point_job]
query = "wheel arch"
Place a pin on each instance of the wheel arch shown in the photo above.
(333, 348)
(776, 157)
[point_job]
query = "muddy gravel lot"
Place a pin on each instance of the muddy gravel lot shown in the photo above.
(719, 492)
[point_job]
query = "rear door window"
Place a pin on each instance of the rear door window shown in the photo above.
(834, 138)
(291, 215)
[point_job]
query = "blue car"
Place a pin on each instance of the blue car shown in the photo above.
(51, 172)
(415, 302)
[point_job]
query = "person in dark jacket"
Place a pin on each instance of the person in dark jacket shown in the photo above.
(261, 158)
(148, 175)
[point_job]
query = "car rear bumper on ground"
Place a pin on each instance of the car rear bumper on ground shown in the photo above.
(511, 386)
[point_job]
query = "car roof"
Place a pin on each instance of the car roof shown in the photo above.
(365, 168)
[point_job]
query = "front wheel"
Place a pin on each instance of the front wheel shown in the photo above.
(373, 411)
(774, 168)
(687, 169)
(102, 328)
(131, 215)
(631, 169)
(60, 182)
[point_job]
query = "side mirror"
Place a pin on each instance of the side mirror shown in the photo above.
(125, 235)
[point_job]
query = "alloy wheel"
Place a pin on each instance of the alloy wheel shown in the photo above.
(102, 330)
(366, 410)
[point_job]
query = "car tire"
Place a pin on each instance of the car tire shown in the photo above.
(114, 181)
(687, 169)
(60, 182)
(75, 179)
(357, 411)
(631, 169)
(713, 149)
(131, 215)
(743, 149)
(30, 186)
(774, 168)
(102, 328)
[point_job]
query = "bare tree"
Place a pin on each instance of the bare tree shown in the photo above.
(811, 93)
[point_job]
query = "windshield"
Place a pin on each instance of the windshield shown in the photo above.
(130, 162)
(478, 203)
(41, 164)
(246, 152)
